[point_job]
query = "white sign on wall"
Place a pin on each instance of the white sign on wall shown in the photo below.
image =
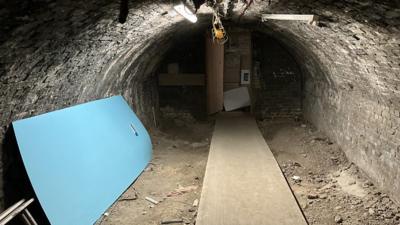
(245, 77)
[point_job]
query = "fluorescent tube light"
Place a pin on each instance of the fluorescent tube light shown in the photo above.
(184, 11)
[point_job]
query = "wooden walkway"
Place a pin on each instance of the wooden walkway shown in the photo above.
(243, 184)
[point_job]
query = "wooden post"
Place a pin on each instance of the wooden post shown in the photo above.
(214, 75)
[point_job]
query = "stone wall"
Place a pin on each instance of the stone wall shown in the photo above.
(352, 83)
(18, 12)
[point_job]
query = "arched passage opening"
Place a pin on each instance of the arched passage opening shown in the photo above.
(277, 78)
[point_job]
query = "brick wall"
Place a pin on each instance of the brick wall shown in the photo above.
(277, 91)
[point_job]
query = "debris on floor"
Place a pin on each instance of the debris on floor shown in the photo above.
(329, 189)
(182, 190)
(177, 171)
(155, 202)
(130, 196)
(195, 203)
(172, 221)
(332, 190)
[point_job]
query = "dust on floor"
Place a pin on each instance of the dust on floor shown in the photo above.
(329, 189)
(174, 178)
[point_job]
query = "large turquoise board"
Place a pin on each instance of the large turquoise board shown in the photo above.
(81, 159)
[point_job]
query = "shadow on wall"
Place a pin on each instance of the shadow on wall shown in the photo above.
(16, 182)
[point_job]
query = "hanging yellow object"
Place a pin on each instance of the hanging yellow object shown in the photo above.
(218, 31)
(219, 34)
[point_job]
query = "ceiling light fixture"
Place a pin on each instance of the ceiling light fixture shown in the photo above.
(186, 12)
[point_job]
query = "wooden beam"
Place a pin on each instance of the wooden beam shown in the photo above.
(215, 75)
(187, 79)
(296, 17)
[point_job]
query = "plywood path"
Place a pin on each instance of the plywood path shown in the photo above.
(243, 184)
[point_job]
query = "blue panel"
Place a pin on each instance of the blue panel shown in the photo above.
(80, 159)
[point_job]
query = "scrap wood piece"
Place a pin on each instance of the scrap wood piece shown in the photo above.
(155, 202)
(172, 221)
(182, 190)
(127, 199)
(196, 202)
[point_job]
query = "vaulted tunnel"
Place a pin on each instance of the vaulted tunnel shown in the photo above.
(342, 75)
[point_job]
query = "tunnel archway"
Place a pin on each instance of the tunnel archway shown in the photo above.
(349, 62)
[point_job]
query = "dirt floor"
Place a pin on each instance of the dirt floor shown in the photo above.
(329, 189)
(174, 178)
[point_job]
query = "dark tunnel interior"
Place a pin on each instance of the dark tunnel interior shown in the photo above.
(331, 84)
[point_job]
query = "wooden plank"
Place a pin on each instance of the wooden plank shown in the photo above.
(214, 75)
(297, 17)
(243, 184)
(188, 79)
